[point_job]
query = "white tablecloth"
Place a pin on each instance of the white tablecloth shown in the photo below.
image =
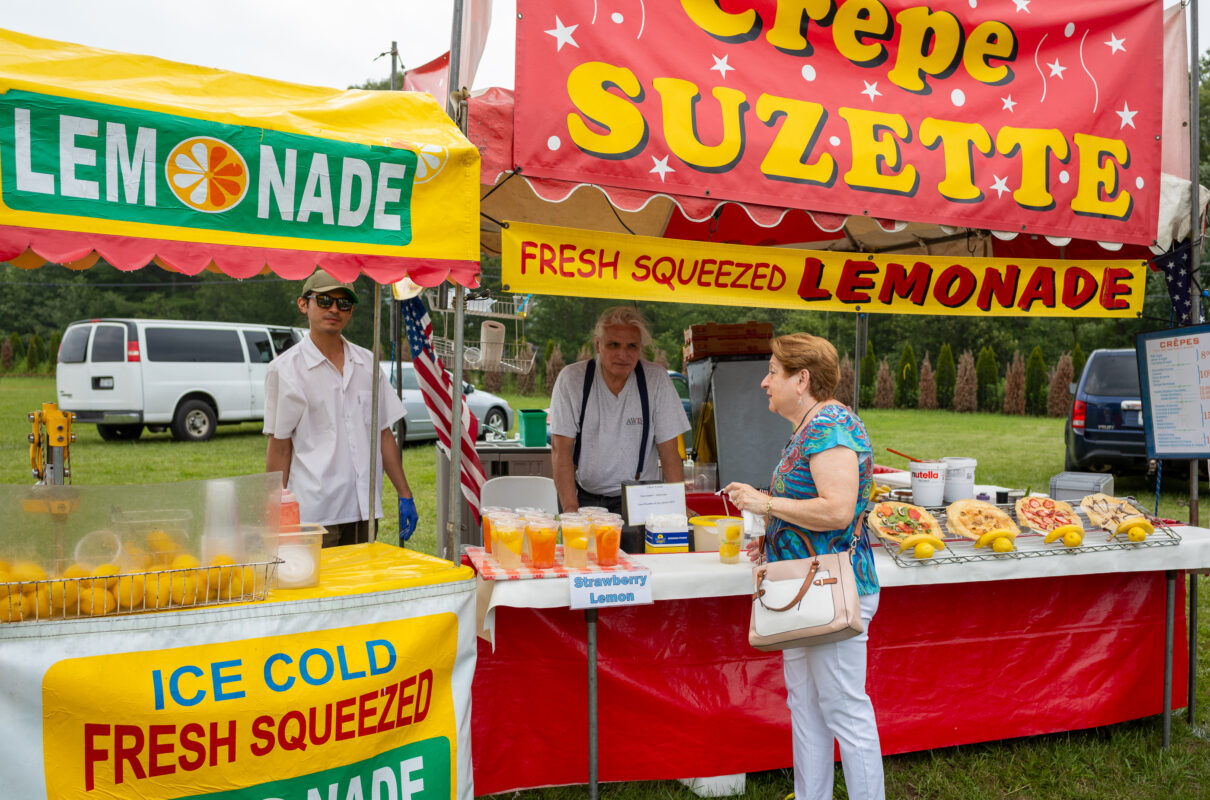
(680, 576)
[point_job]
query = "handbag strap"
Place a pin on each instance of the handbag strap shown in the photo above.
(802, 590)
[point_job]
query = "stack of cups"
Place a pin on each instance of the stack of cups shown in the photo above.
(507, 532)
(577, 530)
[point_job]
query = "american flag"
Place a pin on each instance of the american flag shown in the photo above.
(435, 384)
(1182, 279)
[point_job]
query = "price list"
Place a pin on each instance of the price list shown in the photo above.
(1178, 393)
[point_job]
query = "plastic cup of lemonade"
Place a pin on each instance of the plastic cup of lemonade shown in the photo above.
(485, 516)
(593, 511)
(542, 533)
(577, 533)
(507, 533)
(730, 539)
(607, 532)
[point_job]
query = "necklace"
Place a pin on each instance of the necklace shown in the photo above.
(804, 419)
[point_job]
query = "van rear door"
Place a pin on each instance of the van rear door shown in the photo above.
(260, 353)
(95, 377)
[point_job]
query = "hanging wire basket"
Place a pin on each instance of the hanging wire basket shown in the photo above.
(515, 357)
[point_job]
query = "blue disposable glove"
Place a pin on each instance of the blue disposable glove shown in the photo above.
(407, 519)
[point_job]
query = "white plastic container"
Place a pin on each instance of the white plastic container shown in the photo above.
(959, 478)
(299, 551)
(928, 483)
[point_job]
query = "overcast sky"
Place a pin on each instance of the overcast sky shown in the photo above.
(315, 42)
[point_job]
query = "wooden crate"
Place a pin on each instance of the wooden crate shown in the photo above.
(713, 339)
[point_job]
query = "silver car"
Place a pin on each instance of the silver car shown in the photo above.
(494, 413)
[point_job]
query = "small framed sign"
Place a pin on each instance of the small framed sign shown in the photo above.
(641, 500)
(1174, 385)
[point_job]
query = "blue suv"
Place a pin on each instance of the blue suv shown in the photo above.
(1105, 427)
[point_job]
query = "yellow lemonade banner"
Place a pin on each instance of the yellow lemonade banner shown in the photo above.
(541, 259)
(93, 141)
(363, 711)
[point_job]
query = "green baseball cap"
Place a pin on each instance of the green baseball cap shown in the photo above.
(321, 282)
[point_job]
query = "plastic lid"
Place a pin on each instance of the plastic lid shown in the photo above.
(287, 496)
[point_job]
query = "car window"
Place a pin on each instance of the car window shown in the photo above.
(283, 340)
(193, 345)
(410, 380)
(1113, 374)
(74, 346)
(109, 343)
(682, 386)
(258, 346)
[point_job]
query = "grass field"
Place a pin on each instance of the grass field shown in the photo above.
(1120, 762)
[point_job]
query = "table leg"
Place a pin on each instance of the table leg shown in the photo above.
(1193, 581)
(590, 619)
(1169, 628)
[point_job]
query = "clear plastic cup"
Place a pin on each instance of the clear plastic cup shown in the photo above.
(607, 533)
(577, 537)
(508, 531)
(593, 511)
(542, 533)
(485, 517)
(730, 539)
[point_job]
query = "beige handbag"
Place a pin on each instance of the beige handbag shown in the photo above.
(804, 601)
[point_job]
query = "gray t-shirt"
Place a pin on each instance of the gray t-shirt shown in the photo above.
(609, 447)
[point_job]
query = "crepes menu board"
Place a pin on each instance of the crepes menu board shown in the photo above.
(1174, 382)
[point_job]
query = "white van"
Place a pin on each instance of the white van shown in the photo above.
(124, 374)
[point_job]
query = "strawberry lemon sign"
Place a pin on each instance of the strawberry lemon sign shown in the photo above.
(580, 263)
(1019, 115)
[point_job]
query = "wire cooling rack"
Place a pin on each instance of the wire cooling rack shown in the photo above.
(1029, 543)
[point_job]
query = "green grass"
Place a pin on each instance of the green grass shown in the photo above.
(1119, 762)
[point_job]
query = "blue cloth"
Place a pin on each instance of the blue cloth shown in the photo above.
(833, 426)
(408, 518)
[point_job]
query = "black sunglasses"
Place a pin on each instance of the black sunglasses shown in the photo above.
(326, 301)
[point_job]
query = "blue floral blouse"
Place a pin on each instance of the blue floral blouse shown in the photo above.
(833, 426)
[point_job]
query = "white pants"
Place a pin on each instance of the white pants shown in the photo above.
(825, 687)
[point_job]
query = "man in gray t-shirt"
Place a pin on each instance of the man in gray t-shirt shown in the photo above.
(612, 430)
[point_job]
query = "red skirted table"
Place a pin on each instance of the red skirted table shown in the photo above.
(958, 654)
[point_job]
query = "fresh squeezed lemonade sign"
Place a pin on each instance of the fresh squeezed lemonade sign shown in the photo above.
(363, 712)
(60, 155)
(541, 259)
(1017, 115)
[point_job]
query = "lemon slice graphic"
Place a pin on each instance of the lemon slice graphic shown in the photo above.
(207, 174)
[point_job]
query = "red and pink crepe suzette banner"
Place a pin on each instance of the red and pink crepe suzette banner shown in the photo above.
(1040, 116)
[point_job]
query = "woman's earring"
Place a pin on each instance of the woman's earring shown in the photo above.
(800, 400)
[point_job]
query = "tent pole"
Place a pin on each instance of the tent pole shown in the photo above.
(374, 435)
(859, 344)
(455, 64)
(1195, 253)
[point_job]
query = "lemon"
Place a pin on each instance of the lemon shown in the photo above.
(244, 583)
(109, 572)
(157, 590)
(728, 550)
(26, 572)
(36, 604)
(733, 533)
(924, 550)
(578, 543)
(1136, 534)
(10, 608)
(129, 591)
(1002, 545)
(97, 600)
(1073, 539)
(217, 578)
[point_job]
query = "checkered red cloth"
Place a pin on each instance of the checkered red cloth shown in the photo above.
(489, 568)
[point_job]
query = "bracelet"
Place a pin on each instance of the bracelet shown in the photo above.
(769, 507)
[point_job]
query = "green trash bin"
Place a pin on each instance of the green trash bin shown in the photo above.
(533, 427)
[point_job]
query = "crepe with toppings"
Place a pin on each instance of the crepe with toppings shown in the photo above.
(1044, 514)
(1107, 512)
(897, 521)
(970, 519)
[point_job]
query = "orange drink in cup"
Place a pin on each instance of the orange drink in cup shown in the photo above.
(730, 539)
(577, 532)
(485, 517)
(507, 532)
(542, 534)
(607, 532)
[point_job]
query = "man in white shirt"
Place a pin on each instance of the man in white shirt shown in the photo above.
(317, 414)
(614, 418)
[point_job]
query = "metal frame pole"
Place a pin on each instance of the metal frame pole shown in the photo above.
(375, 489)
(1195, 262)
(590, 620)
